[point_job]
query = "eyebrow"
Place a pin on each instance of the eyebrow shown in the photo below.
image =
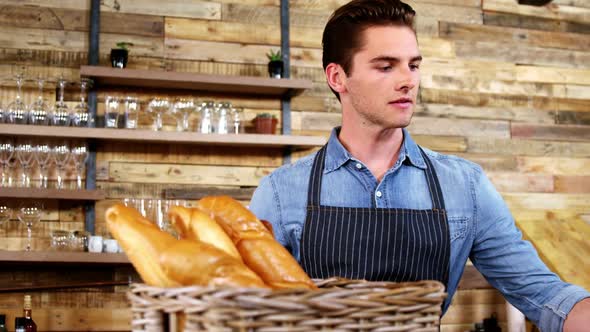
(394, 59)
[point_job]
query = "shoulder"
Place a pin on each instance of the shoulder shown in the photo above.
(301, 167)
(454, 168)
(461, 182)
(449, 160)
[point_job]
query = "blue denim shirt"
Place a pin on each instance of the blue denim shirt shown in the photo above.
(481, 225)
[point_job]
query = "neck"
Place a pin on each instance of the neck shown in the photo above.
(377, 148)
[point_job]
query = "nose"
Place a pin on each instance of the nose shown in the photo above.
(406, 81)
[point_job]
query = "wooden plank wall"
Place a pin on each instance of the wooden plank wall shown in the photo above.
(504, 85)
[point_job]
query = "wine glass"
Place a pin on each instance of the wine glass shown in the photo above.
(42, 156)
(5, 212)
(81, 113)
(38, 109)
(61, 113)
(6, 153)
(181, 111)
(80, 156)
(17, 112)
(60, 154)
(25, 152)
(156, 109)
(30, 214)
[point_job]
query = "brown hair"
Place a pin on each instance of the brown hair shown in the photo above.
(343, 32)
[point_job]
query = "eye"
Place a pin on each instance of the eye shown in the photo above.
(385, 68)
(414, 66)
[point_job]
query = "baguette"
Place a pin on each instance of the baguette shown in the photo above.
(142, 241)
(198, 263)
(193, 224)
(255, 243)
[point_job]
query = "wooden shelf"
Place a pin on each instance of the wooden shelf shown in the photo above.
(107, 76)
(65, 194)
(62, 257)
(141, 135)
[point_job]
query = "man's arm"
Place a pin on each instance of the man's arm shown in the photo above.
(265, 205)
(513, 266)
(578, 320)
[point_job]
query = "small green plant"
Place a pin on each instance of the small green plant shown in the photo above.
(124, 45)
(274, 56)
(266, 115)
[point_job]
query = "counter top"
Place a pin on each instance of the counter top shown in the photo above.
(563, 245)
(62, 257)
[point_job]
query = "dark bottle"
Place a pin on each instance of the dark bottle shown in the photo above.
(491, 324)
(479, 327)
(3, 323)
(19, 324)
(30, 325)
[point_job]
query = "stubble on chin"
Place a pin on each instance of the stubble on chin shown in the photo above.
(394, 121)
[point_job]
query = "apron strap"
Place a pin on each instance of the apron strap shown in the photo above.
(315, 178)
(438, 202)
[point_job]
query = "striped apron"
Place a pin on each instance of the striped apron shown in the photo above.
(375, 244)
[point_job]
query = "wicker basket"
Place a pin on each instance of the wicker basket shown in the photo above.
(339, 305)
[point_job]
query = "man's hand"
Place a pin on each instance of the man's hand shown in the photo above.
(578, 320)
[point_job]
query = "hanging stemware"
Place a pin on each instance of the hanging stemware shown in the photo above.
(5, 212)
(17, 112)
(80, 156)
(43, 158)
(81, 113)
(60, 153)
(25, 152)
(39, 109)
(6, 154)
(61, 113)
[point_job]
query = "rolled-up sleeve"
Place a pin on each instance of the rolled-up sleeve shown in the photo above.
(513, 266)
(557, 309)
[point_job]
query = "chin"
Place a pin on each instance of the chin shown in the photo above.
(401, 123)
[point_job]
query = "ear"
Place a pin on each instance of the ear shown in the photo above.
(336, 77)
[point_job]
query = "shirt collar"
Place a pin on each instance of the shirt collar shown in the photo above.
(337, 155)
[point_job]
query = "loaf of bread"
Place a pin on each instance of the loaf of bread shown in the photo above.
(255, 243)
(194, 224)
(143, 243)
(198, 263)
(164, 261)
(268, 226)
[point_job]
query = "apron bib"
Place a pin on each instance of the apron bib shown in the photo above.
(375, 244)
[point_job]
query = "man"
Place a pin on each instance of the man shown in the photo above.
(372, 204)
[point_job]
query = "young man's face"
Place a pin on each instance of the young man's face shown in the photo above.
(383, 82)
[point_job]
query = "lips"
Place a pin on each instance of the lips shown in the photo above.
(403, 103)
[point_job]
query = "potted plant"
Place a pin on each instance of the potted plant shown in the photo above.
(265, 123)
(275, 64)
(120, 54)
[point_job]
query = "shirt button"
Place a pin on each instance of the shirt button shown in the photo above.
(359, 166)
(378, 194)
